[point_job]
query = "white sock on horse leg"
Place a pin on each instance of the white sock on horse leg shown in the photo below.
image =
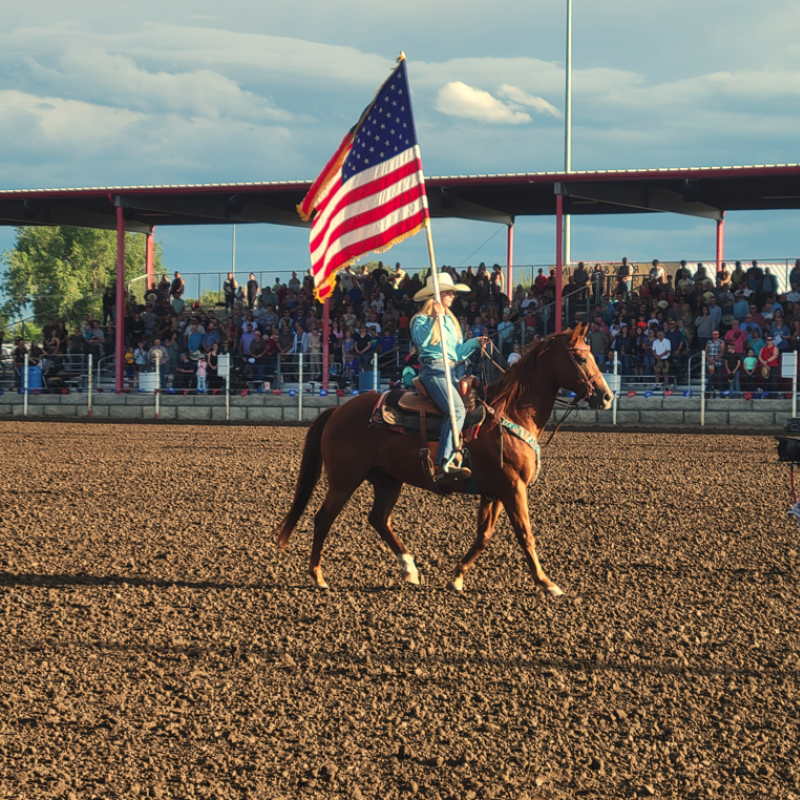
(407, 563)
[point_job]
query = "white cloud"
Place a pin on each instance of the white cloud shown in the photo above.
(521, 97)
(459, 100)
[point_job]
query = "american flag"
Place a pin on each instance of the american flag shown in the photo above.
(371, 193)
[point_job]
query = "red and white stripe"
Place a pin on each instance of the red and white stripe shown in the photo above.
(369, 212)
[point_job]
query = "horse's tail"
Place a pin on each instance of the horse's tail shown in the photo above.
(310, 470)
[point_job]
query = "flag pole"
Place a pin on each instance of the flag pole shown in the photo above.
(440, 319)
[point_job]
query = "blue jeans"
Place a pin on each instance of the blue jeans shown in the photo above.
(433, 379)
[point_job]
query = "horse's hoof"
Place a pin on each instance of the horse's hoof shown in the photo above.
(554, 591)
(322, 587)
(412, 578)
(456, 585)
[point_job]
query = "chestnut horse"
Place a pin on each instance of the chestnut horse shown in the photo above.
(353, 451)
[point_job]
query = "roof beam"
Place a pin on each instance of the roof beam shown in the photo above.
(643, 197)
(14, 213)
(447, 203)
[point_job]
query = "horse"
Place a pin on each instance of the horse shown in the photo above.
(503, 463)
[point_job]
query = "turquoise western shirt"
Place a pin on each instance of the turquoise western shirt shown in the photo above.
(422, 329)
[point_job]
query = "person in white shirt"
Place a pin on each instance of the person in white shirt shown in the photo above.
(515, 356)
(662, 349)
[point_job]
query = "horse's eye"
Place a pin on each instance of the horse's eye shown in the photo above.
(581, 360)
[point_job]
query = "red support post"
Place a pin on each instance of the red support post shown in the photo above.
(510, 262)
(559, 258)
(326, 333)
(120, 318)
(148, 260)
(720, 241)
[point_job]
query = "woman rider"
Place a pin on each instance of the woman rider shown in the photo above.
(427, 338)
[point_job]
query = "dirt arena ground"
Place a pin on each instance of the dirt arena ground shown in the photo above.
(153, 643)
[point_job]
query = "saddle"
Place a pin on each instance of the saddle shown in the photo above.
(402, 411)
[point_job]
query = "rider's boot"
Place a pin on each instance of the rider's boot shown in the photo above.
(452, 470)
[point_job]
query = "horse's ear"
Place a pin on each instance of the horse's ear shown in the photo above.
(578, 332)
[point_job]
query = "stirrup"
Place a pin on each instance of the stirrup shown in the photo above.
(447, 472)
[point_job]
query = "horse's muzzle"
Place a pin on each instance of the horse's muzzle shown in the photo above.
(601, 398)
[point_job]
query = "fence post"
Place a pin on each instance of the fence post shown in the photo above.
(794, 393)
(158, 387)
(300, 387)
(25, 368)
(702, 388)
(89, 389)
(375, 379)
(228, 390)
(617, 386)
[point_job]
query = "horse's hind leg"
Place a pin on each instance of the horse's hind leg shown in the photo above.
(331, 507)
(488, 511)
(387, 492)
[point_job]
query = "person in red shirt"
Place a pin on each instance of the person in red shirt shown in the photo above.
(737, 336)
(769, 360)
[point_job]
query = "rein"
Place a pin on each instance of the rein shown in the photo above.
(570, 406)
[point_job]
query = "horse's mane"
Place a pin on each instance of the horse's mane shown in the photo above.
(506, 393)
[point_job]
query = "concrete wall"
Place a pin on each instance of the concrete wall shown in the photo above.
(645, 412)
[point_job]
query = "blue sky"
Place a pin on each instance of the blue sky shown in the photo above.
(190, 91)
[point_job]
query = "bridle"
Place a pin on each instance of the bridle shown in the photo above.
(589, 381)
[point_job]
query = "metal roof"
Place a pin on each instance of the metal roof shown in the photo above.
(698, 191)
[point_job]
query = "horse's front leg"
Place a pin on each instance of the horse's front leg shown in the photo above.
(487, 518)
(517, 509)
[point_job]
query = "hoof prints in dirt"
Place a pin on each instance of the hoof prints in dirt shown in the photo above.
(154, 643)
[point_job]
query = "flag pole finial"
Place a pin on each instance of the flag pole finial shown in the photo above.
(401, 57)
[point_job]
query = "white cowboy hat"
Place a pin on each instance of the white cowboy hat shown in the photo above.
(445, 285)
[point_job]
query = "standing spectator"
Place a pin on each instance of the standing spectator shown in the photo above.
(732, 368)
(109, 304)
(678, 346)
(581, 278)
(714, 361)
(662, 348)
(705, 327)
(18, 360)
(178, 287)
(252, 291)
(185, 372)
(736, 336)
(363, 346)
(257, 353)
(625, 277)
(505, 333)
(211, 337)
(749, 370)
(140, 357)
(130, 367)
(159, 358)
(769, 360)
(657, 273)
(201, 374)
(212, 368)
(75, 345)
(599, 342)
(598, 279)
(229, 287)
(648, 338)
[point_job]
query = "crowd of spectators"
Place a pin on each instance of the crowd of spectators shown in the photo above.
(739, 317)
(655, 323)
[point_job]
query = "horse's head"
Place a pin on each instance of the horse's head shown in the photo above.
(579, 373)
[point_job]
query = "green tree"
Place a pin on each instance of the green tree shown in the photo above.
(62, 272)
